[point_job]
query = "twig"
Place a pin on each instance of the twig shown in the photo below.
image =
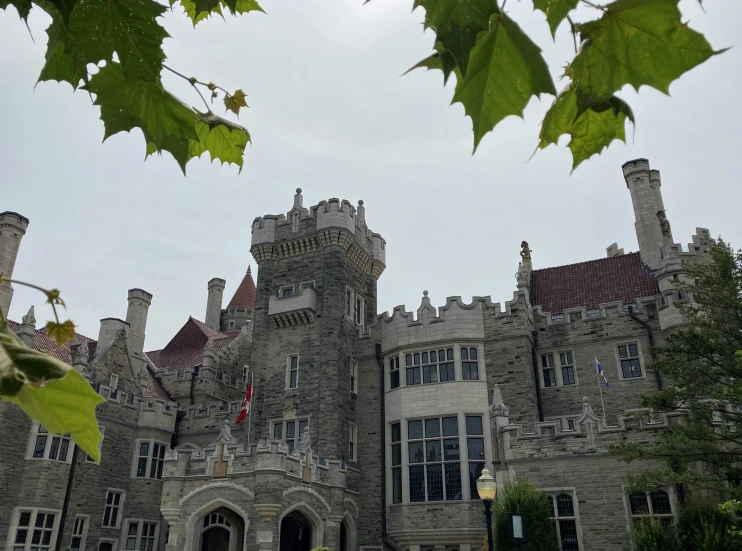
(192, 82)
(592, 5)
(574, 31)
(47, 292)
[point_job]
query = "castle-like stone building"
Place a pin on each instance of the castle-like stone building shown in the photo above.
(367, 431)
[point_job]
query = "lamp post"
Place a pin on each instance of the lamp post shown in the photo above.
(487, 488)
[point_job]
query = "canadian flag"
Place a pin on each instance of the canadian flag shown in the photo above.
(245, 404)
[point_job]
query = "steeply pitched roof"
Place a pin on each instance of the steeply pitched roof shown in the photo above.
(619, 278)
(186, 348)
(244, 296)
(44, 344)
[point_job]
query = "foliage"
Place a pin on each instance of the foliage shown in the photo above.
(525, 498)
(651, 535)
(498, 67)
(48, 390)
(123, 39)
(703, 527)
(702, 368)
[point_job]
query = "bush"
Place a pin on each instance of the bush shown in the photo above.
(525, 498)
(652, 535)
(703, 527)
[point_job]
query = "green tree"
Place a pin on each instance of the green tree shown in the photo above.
(498, 67)
(701, 366)
(525, 498)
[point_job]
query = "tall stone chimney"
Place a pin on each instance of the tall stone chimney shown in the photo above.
(13, 227)
(214, 303)
(644, 185)
(136, 316)
(109, 330)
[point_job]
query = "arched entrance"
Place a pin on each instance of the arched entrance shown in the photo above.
(296, 532)
(343, 537)
(220, 530)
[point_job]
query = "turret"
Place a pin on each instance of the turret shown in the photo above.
(214, 303)
(136, 316)
(13, 227)
(652, 227)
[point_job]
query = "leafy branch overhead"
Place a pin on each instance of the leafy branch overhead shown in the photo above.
(124, 39)
(499, 68)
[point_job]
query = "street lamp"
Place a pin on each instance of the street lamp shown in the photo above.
(487, 488)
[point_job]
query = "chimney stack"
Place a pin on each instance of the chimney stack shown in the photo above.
(109, 330)
(136, 316)
(13, 227)
(214, 303)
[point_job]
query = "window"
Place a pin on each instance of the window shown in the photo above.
(47, 446)
(429, 367)
(112, 511)
(565, 521)
(396, 439)
(469, 364)
(140, 536)
(245, 375)
(348, 301)
(107, 545)
(79, 533)
(286, 430)
(394, 372)
(114, 385)
(231, 323)
(150, 458)
(630, 365)
(568, 368)
(358, 310)
(557, 317)
(547, 368)
(645, 505)
(352, 441)
(287, 291)
(593, 312)
(180, 375)
(34, 530)
(353, 376)
(292, 377)
(566, 373)
(434, 458)
(474, 451)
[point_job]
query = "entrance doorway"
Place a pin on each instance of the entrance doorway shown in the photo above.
(343, 537)
(296, 532)
(220, 531)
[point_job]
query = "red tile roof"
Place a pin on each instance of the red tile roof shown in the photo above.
(44, 344)
(186, 348)
(619, 278)
(244, 296)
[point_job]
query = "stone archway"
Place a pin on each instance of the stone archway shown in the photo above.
(347, 533)
(296, 532)
(219, 532)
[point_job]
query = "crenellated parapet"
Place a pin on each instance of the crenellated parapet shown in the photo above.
(333, 222)
(604, 311)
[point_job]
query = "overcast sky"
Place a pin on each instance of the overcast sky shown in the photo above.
(330, 113)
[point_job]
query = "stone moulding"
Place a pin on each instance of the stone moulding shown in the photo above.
(242, 489)
(267, 511)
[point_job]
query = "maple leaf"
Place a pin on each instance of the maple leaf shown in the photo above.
(505, 70)
(243, 6)
(63, 8)
(457, 23)
(61, 332)
(59, 65)
(556, 11)
(591, 131)
(442, 60)
(199, 10)
(235, 101)
(22, 6)
(635, 42)
(127, 27)
(223, 140)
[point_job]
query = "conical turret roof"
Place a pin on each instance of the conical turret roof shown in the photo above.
(244, 296)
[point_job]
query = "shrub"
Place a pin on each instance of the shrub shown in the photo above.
(525, 498)
(652, 535)
(703, 527)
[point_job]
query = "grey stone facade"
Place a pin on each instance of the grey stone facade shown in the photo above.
(333, 452)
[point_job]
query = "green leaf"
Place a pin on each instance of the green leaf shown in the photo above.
(635, 42)
(556, 11)
(23, 7)
(244, 6)
(65, 405)
(127, 27)
(59, 65)
(63, 7)
(592, 130)
(443, 61)
(457, 24)
(505, 70)
(199, 10)
(223, 140)
(126, 104)
(235, 102)
(61, 332)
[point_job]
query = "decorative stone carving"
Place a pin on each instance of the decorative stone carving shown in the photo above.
(267, 511)
(664, 224)
(525, 252)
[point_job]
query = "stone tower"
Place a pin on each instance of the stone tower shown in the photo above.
(13, 227)
(136, 316)
(316, 291)
(652, 228)
(214, 303)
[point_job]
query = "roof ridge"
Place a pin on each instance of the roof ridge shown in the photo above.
(595, 260)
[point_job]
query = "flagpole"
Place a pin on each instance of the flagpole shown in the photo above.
(249, 414)
(600, 389)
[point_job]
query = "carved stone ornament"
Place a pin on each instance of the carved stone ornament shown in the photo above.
(525, 252)
(664, 223)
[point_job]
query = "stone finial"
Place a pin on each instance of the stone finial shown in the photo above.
(80, 358)
(248, 269)
(226, 432)
(613, 250)
(208, 356)
(27, 330)
(298, 199)
(361, 212)
(427, 311)
(498, 407)
(664, 224)
(525, 252)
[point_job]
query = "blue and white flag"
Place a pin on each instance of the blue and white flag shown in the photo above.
(601, 374)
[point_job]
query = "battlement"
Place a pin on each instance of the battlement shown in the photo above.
(591, 435)
(301, 231)
(701, 242)
(637, 167)
(603, 311)
(13, 220)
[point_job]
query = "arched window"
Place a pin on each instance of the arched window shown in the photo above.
(565, 521)
(651, 505)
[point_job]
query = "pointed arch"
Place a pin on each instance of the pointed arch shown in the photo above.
(318, 528)
(192, 532)
(350, 531)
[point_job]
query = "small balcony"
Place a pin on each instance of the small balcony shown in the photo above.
(295, 309)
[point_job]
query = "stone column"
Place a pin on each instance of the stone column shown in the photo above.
(13, 227)
(136, 316)
(214, 303)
